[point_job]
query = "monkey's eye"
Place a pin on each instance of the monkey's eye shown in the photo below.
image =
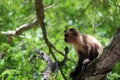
(66, 35)
(74, 33)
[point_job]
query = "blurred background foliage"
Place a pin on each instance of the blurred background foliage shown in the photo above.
(99, 18)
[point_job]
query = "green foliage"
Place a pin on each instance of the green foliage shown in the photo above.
(113, 76)
(13, 12)
(99, 18)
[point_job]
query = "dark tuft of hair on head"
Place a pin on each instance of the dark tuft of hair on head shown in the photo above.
(71, 29)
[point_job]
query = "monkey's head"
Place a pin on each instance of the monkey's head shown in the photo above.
(70, 35)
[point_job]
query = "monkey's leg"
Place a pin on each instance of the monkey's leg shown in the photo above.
(78, 68)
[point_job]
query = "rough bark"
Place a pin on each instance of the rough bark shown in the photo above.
(51, 66)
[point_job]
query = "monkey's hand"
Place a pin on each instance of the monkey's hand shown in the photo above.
(86, 61)
(72, 74)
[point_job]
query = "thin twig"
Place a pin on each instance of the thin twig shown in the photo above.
(40, 14)
(83, 11)
(52, 6)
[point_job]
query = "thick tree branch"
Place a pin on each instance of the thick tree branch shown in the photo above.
(51, 66)
(20, 30)
(100, 67)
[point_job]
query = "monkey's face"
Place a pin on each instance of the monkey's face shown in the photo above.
(70, 35)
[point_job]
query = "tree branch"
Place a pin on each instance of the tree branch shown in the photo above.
(20, 30)
(51, 66)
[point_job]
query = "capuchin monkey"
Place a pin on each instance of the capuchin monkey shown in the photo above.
(87, 48)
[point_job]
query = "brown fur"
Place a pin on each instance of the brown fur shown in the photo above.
(86, 46)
